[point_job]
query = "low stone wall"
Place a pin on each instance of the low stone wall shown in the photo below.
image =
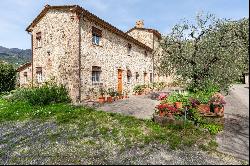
(163, 121)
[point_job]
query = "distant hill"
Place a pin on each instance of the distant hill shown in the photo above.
(15, 56)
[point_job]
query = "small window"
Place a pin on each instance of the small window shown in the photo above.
(96, 36)
(39, 75)
(96, 40)
(145, 53)
(145, 77)
(151, 77)
(96, 73)
(129, 48)
(137, 76)
(129, 75)
(39, 39)
(25, 74)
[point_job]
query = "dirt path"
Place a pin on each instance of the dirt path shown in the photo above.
(234, 140)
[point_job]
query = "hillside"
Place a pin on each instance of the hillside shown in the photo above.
(15, 56)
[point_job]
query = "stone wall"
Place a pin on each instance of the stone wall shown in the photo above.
(146, 37)
(143, 36)
(67, 54)
(111, 55)
(59, 52)
(22, 82)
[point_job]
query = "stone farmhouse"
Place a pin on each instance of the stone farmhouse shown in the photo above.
(83, 52)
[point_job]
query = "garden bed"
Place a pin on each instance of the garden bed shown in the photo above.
(164, 120)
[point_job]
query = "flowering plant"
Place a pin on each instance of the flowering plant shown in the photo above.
(167, 108)
(162, 96)
(218, 100)
(194, 102)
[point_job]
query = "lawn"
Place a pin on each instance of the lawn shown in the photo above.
(62, 133)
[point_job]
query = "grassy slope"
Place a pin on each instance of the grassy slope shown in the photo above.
(86, 130)
(111, 125)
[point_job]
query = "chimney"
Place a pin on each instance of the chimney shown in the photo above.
(139, 24)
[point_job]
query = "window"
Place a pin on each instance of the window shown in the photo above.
(39, 39)
(145, 53)
(137, 76)
(151, 77)
(129, 75)
(96, 36)
(129, 48)
(145, 77)
(39, 75)
(25, 77)
(96, 73)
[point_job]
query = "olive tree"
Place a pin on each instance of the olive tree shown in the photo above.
(209, 51)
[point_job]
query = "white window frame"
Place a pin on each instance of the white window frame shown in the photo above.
(39, 76)
(96, 39)
(96, 77)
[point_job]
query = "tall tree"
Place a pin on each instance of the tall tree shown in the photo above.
(210, 51)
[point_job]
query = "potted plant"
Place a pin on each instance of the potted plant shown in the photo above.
(177, 99)
(116, 94)
(217, 103)
(166, 109)
(138, 89)
(101, 98)
(125, 94)
(162, 96)
(111, 94)
(120, 95)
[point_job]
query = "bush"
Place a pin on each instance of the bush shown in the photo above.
(44, 95)
(139, 88)
(7, 77)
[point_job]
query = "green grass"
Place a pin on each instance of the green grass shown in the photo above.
(121, 130)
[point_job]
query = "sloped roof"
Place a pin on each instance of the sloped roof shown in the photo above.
(78, 9)
(23, 66)
(155, 32)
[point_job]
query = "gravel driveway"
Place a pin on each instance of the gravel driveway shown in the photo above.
(138, 106)
(38, 143)
(234, 140)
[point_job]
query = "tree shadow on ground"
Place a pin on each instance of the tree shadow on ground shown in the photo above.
(235, 137)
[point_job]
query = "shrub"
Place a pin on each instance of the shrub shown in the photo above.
(7, 77)
(138, 88)
(177, 97)
(44, 95)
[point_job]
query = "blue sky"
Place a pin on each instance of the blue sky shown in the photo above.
(16, 15)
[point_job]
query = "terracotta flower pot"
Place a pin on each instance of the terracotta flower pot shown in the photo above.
(218, 110)
(204, 108)
(109, 99)
(101, 100)
(178, 105)
(161, 113)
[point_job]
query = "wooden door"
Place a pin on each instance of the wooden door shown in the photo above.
(119, 87)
